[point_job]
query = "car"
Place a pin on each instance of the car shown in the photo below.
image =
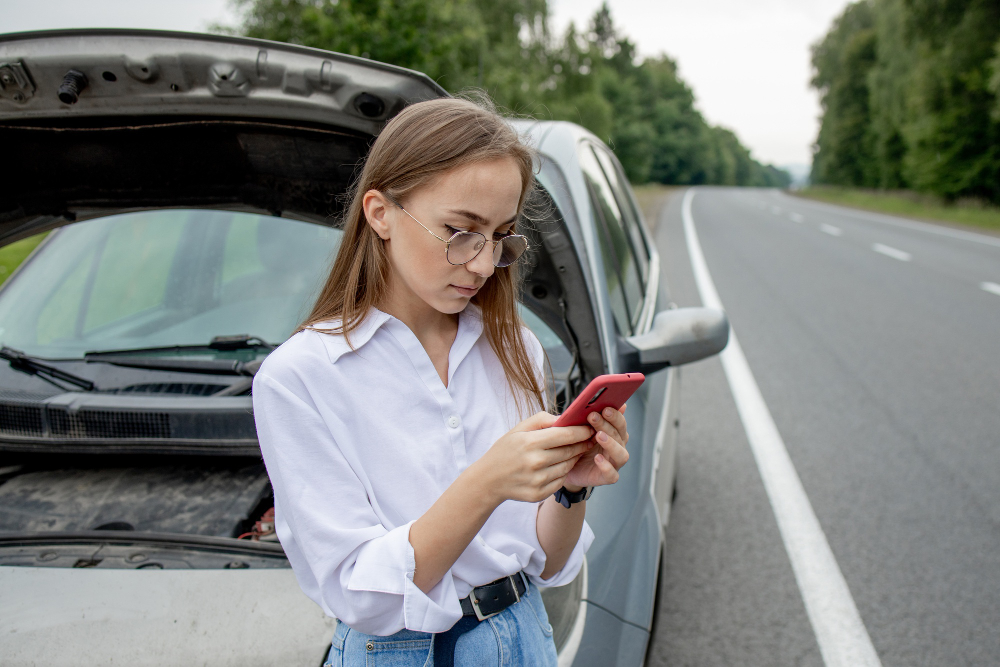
(191, 186)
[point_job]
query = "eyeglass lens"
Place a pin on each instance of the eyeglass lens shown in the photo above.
(464, 246)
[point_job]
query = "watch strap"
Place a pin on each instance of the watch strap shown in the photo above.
(568, 498)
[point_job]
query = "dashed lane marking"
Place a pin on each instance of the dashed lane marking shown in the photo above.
(895, 253)
(841, 634)
(992, 288)
(797, 217)
(831, 230)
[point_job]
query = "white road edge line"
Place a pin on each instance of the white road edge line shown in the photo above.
(895, 253)
(831, 230)
(992, 288)
(841, 634)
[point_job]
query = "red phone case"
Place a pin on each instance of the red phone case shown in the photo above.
(604, 391)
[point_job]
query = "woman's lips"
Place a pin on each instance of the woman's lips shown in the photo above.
(466, 291)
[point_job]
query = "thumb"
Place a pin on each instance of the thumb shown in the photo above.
(535, 422)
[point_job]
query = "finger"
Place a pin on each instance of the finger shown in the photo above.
(608, 471)
(558, 436)
(612, 450)
(566, 452)
(617, 419)
(560, 470)
(537, 421)
(600, 424)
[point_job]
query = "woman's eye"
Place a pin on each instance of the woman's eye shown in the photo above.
(452, 230)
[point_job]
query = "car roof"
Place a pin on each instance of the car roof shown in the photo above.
(159, 73)
(553, 136)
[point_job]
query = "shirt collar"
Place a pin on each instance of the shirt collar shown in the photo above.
(337, 345)
(470, 328)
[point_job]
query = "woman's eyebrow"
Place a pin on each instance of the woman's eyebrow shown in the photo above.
(478, 219)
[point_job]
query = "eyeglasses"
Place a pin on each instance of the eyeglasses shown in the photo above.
(463, 247)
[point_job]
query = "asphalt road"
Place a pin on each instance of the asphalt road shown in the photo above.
(876, 345)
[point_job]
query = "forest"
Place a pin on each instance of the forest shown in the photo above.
(592, 75)
(910, 92)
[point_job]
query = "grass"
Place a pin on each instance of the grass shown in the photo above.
(652, 197)
(909, 204)
(12, 255)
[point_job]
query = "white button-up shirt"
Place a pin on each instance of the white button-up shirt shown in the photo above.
(360, 443)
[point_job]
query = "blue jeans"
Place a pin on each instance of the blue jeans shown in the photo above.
(519, 635)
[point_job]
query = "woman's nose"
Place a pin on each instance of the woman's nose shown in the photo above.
(482, 264)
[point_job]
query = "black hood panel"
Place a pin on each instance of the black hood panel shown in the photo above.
(79, 172)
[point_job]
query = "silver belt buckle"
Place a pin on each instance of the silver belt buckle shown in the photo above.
(475, 600)
(479, 614)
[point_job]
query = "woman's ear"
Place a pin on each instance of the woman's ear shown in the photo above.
(376, 207)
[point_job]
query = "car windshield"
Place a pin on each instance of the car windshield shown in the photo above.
(165, 277)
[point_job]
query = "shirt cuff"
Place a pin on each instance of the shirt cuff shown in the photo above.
(573, 563)
(386, 564)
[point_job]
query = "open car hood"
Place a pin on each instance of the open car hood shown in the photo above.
(98, 120)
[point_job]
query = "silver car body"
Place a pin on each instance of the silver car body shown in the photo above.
(78, 616)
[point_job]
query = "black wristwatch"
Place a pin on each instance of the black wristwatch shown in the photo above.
(567, 498)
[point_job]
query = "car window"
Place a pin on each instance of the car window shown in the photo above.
(626, 205)
(165, 277)
(559, 357)
(620, 265)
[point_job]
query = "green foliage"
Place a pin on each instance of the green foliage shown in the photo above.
(643, 110)
(908, 203)
(12, 255)
(910, 92)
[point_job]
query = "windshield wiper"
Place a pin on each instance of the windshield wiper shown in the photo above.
(19, 361)
(219, 343)
(148, 357)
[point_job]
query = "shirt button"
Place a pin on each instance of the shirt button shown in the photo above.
(453, 422)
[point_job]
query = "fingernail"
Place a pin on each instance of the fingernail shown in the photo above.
(598, 458)
(602, 436)
(593, 416)
(608, 412)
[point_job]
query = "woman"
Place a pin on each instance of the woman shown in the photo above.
(411, 496)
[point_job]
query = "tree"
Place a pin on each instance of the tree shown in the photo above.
(641, 109)
(842, 61)
(910, 91)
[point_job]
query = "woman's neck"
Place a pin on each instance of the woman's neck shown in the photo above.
(423, 322)
(435, 330)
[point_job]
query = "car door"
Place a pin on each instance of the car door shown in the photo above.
(632, 269)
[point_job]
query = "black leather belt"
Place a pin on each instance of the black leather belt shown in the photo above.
(492, 598)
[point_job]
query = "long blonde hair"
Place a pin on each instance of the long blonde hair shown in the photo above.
(422, 142)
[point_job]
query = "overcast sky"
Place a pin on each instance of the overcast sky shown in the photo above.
(747, 60)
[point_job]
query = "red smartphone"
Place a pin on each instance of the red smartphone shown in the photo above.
(604, 391)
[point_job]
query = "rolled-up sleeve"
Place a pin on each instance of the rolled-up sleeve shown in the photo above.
(344, 558)
(573, 563)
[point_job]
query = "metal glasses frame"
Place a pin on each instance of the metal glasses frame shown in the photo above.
(447, 242)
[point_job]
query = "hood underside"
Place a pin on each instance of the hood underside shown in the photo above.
(98, 120)
(69, 173)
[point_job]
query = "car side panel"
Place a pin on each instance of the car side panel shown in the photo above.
(609, 641)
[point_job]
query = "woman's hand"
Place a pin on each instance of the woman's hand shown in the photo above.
(531, 461)
(600, 465)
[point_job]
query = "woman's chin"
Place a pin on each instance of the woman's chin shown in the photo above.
(452, 304)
